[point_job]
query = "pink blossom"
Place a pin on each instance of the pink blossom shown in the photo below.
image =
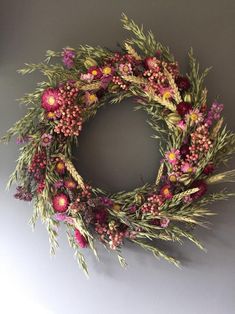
(173, 156)
(186, 167)
(80, 239)
(164, 222)
(87, 77)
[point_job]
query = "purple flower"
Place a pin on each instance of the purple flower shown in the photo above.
(22, 140)
(58, 184)
(46, 139)
(68, 55)
(23, 194)
(214, 113)
(105, 201)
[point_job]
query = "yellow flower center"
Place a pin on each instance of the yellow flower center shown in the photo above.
(61, 202)
(166, 191)
(51, 100)
(190, 169)
(166, 95)
(51, 115)
(193, 116)
(92, 98)
(94, 72)
(107, 70)
(172, 178)
(171, 156)
(60, 165)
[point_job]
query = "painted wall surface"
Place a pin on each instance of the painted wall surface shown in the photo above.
(116, 151)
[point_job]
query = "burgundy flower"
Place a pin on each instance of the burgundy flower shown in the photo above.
(201, 184)
(60, 202)
(95, 71)
(80, 239)
(101, 215)
(166, 192)
(183, 83)
(209, 169)
(184, 150)
(183, 108)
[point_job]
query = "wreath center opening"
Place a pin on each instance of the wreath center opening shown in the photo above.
(116, 151)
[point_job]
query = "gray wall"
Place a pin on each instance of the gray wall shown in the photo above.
(115, 152)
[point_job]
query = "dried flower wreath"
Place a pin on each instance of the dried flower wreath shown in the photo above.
(192, 137)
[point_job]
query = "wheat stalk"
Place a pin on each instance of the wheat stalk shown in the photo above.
(132, 51)
(171, 81)
(159, 174)
(227, 176)
(71, 169)
(85, 87)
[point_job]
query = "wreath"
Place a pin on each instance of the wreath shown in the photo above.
(193, 143)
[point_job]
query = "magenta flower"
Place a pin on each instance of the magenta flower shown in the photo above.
(80, 239)
(186, 167)
(60, 202)
(51, 100)
(125, 68)
(214, 113)
(173, 156)
(68, 55)
(166, 192)
(95, 71)
(46, 139)
(58, 184)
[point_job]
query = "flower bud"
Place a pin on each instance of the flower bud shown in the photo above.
(89, 62)
(173, 118)
(187, 98)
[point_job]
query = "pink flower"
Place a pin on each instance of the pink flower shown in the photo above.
(60, 217)
(88, 77)
(182, 125)
(173, 156)
(60, 167)
(95, 71)
(166, 192)
(58, 184)
(90, 98)
(152, 63)
(68, 55)
(46, 139)
(60, 202)
(64, 218)
(194, 116)
(186, 167)
(125, 68)
(51, 100)
(166, 92)
(70, 184)
(164, 222)
(80, 239)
